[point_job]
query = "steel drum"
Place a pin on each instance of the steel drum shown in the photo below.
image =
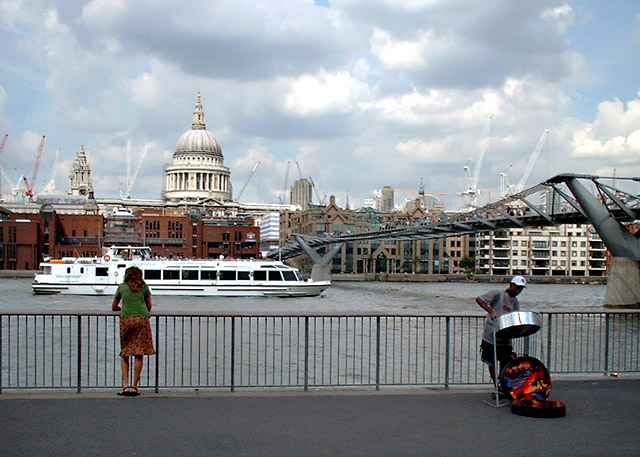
(517, 324)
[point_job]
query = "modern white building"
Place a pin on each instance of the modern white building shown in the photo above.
(269, 232)
(565, 250)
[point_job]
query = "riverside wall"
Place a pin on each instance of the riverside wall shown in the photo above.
(408, 277)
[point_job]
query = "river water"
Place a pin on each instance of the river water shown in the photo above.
(364, 297)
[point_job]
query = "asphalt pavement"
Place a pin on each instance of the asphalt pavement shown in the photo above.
(601, 420)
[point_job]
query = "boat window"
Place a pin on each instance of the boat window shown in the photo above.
(275, 276)
(102, 271)
(152, 274)
(68, 270)
(289, 276)
(300, 278)
(243, 275)
(228, 275)
(209, 275)
(81, 270)
(171, 274)
(259, 275)
(191, 275)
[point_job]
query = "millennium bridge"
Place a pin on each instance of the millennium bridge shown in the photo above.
(605, 202)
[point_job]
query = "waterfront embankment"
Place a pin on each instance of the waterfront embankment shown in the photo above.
(409, 277)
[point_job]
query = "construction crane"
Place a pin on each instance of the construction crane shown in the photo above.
(472, 190)
(286, 181)
(255, 167)
(135, 174)
(4, 141)
(507, 189)
(321, 201)
(29, 190)
(50, 186)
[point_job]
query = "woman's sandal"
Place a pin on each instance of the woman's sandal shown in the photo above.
(133, 391)
(125, 392)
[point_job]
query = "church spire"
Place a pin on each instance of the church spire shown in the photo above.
(198, 116)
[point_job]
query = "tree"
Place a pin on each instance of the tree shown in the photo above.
(467, 263)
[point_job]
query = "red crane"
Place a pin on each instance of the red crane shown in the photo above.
(29, 187)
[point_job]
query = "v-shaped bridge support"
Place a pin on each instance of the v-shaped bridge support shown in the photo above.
(623, 285)
(320, 270)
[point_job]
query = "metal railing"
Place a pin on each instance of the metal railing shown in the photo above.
(228, 351)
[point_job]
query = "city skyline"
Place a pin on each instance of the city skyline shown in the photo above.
(361, 95)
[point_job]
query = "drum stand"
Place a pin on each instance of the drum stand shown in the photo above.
(496, 365)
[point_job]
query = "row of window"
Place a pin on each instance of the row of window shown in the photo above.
(222, 275)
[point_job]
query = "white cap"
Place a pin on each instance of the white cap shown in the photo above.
(519, 281)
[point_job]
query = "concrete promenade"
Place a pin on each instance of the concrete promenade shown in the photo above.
(602, 420)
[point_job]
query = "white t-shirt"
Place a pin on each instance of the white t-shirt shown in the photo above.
(501, 303)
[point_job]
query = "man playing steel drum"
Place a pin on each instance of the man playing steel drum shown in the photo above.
(497, 303)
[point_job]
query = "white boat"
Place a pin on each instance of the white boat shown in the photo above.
(206, 278)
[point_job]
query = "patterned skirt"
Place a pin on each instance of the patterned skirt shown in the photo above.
(135, 336)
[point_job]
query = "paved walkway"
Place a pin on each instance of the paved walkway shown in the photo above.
(602, 419)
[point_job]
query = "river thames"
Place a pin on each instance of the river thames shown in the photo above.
(344, 296)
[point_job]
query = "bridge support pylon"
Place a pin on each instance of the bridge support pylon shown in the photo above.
(623, 285)
(320, 270)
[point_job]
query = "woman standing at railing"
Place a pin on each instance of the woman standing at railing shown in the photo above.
(135, 329)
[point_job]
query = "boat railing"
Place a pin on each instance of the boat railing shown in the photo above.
(70, 350)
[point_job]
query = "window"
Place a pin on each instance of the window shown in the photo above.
(190, 275)
(209, 275)
(171, 274)
(259, 275)
(243, 275)
(228, 275)
(289, 276)
(152, 274)
(275, 276)
(102, 271)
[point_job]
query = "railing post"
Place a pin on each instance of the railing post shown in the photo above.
(606, 343)
(233, 354)
(447, 352)
(157, 381)
(79, 388)
(549, 327)
(306, 353)
(378, 352)
(1, 316)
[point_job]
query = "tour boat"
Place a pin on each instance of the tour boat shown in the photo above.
(207, 278)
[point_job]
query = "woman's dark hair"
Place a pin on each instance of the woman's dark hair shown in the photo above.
(133, 278)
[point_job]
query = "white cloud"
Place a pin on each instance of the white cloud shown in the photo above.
(396, 91)
(614, 135)
(325, 94)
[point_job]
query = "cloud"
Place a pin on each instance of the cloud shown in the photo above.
(614, 135)
(360, 94)
(243, 40)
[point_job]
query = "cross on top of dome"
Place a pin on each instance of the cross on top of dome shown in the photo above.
(198, 116)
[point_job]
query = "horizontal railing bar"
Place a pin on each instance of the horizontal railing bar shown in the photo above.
(254, 314)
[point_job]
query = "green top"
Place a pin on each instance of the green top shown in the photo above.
(133, 303)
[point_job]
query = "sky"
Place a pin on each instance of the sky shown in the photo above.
(356, 94)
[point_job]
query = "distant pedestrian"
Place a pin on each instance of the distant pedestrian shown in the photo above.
(497, 303)
(135, 329)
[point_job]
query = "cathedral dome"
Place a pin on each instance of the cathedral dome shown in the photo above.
(198, 140)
